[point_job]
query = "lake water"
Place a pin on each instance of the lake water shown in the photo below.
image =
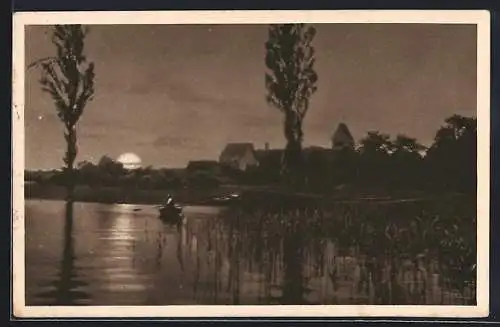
(124, 255)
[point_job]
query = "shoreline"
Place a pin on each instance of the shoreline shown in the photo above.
(250, 196)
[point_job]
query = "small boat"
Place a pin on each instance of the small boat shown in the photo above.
(171, 213)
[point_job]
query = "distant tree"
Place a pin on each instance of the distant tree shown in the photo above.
(290, 81)
(458, 131)
(375, 143)
(406, 162)
(110, 168)
(407, 145)
(452, 158)
(70, 82)
(84, 164)
(374, 156)
(148, 170)
(88, 173)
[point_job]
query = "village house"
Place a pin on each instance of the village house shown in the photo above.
(243, 155)
(239, 156)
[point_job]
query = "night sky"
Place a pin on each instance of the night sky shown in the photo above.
(174, 93)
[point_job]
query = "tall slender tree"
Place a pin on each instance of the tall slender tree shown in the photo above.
(69, 80)
(290, 81)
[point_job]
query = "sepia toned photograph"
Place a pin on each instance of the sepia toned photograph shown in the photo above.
(212, 163)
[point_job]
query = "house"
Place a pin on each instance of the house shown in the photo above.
(239, 156)
(342, 138)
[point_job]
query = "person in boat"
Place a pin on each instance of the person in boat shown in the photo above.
(170, 205)
(169, 202)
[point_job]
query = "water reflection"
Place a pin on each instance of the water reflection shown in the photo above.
(293, 281)
(350, 255)
(67, 290)
(118, 257)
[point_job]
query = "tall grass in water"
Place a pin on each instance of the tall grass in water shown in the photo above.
(421, 252)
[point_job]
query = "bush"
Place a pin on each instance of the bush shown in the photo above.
(203, 180)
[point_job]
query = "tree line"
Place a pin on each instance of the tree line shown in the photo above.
(378, 163)
(111, 173)
(384, 163)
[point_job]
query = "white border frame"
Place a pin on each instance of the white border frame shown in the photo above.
(479, 17)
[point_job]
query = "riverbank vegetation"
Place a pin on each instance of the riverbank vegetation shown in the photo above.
(421, 252)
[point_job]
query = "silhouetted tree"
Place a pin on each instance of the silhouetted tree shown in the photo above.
(452, 158)
(406, 144)
(374, 155)
(290, 82)
(406, 162)
(375, 143)
(110, 170)
(88, 173)
(70, 83)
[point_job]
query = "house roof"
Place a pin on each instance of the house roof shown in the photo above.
(237, 149)
(342, 135)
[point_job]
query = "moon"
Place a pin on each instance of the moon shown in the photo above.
(129, 160)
